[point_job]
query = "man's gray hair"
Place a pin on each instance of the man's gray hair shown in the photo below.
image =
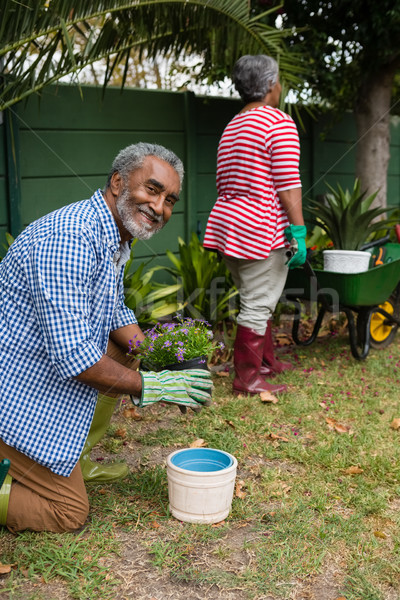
(254, 76)
(131, 158)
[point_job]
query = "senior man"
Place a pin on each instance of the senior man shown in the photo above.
(65, 332)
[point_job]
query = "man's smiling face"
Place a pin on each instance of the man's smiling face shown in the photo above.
(147, 199)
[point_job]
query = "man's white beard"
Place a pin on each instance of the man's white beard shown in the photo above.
(141, 231)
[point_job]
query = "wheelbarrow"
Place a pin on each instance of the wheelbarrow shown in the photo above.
(370, 300)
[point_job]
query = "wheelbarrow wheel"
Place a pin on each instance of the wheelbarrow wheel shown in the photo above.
(382, 331)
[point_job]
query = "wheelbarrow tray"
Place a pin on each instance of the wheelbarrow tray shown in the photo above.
(372, 287)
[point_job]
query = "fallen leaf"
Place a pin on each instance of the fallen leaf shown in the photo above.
(239, 493)
(132, 413)
(4, 569)
(338, 427)
(121, 433)
(353, 470)
(275, 436)
(200, 443)
(220, 524)
(154, 525)
(380, 534)
(268, 397)
(395, 424)
(340, 598)
(222, 374)
(230, 424)
(283, 339)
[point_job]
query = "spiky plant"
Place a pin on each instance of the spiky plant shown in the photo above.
(347, 216)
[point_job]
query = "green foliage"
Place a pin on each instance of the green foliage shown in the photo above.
(149, 300)
(62, 37)
(348, 45)
(207, 288)
(9, 240)
(346, 216)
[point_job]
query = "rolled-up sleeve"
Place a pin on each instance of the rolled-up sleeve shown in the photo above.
(60, 269)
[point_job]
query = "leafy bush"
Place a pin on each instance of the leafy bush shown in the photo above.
(205, 287)
(346, 216)
(149, 300)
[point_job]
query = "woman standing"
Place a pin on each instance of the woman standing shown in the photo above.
(258, 209)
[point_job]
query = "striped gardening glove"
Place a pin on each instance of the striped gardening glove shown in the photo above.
(190, 388)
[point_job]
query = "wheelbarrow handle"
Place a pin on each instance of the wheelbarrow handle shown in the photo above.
(379, 242)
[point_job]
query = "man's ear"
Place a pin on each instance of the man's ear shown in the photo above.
(115, 183)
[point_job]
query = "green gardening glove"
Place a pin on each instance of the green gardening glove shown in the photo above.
(296, 234)
(190, 388)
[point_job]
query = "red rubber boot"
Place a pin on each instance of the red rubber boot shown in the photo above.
(270, 365)
(247, 359)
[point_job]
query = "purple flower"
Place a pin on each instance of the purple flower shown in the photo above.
(167, 344)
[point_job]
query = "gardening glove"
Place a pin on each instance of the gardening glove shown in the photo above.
(296, 234)
(190, 388)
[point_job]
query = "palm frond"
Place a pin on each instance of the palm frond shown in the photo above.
(39, 38)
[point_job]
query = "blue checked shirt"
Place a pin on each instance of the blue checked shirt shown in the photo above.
(61, 295)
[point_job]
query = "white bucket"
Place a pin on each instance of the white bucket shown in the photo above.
(346, 261)
(200, 484)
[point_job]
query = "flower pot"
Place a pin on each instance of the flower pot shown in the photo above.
(200, 362)
(200, 484)
(346, 261)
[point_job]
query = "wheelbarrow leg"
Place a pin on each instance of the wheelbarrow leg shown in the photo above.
(359, 335)
(296, 323)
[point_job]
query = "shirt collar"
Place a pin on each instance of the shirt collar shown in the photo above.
(107, 220)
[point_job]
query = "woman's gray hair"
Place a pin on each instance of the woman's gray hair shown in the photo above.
(254, 76)
(132, 157)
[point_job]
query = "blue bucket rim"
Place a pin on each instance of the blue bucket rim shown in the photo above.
(171, 457)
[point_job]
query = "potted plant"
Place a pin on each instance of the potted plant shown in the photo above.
(184, 344)
(348, 220)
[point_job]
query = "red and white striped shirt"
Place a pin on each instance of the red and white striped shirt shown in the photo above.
(258, 156)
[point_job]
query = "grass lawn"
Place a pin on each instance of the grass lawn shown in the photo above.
(316, 514)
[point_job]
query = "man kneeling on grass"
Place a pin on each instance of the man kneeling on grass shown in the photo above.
(65, 333)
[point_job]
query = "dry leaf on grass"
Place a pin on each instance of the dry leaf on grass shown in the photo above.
(279, 438)
(230, 423)
(239, 493)
(121, 433)
(5, 569)
(380, 534)
(222, 374)
(220, 524)
(354, 470)
(283, 339)
(200, 443)
(154, 525)
(132, 413)
(338, 427)
(268, 397)
(395, 424)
